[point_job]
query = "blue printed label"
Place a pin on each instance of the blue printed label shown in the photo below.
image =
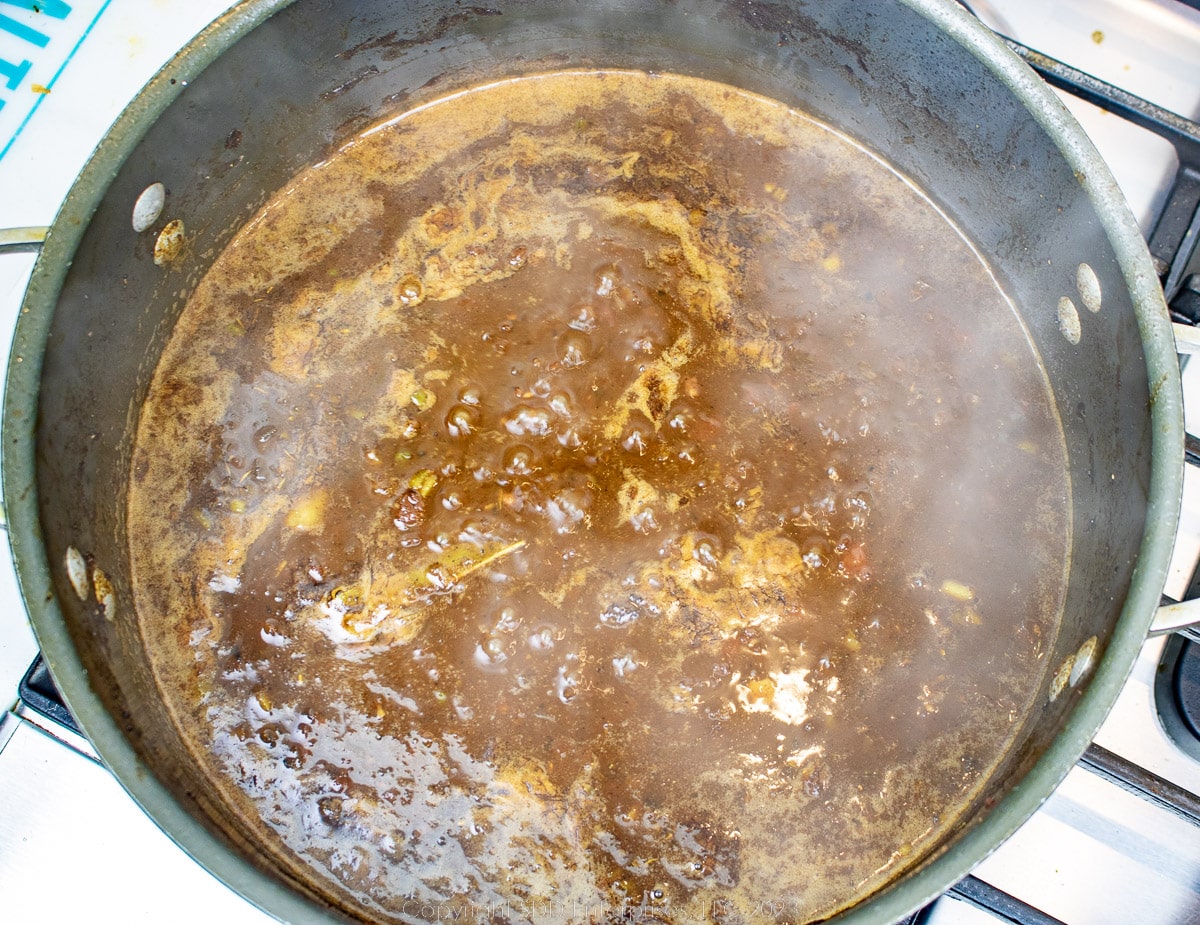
(38, 39)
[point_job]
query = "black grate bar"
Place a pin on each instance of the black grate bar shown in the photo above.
(987, 898)
(1140, 782)
(1183, 133)
(1191, 445)
(1173, 242)
(37, 691)
(1166, 239)
(1007, 908)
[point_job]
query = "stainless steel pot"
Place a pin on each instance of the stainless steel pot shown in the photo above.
(273, 85)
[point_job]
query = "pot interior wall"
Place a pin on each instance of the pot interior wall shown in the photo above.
(318, 71)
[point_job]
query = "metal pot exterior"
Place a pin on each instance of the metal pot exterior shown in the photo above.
(273, 86)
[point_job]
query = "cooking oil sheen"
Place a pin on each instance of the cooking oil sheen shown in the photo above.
(599, 494)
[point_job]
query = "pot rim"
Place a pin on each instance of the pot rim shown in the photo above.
(914, 888)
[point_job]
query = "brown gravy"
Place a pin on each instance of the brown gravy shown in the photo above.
(596, 495)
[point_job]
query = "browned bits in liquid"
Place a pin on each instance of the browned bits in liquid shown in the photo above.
(622, 493)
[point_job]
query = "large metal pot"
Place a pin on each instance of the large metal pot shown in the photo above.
(272, 85)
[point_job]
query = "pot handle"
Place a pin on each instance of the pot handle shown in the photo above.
(1181, 616)
(1174, 616)
(1177, 616)
(20, 241)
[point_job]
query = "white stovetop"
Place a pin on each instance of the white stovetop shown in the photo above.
(61, 812)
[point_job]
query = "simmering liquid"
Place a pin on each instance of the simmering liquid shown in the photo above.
(599, 495)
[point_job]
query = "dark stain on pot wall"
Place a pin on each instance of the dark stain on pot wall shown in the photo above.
(347, 85)
(393, 45)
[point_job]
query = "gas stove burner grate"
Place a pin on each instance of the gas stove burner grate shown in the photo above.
(1173, 241)
(1177, 694)
(37, 691)
(983, 896)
